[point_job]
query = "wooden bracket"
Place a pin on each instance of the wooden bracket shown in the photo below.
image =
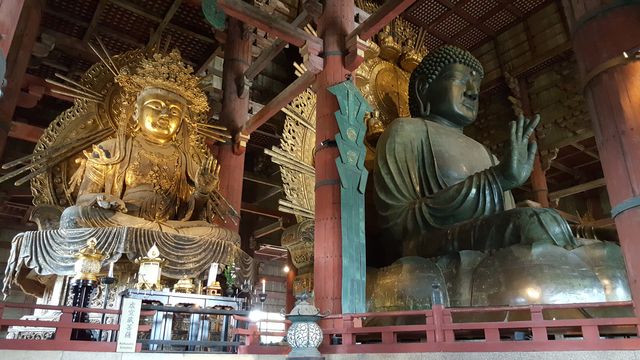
(314, 8)
(355, 56)
(240, 141)
(268, 23)
(312, 61)
(383, 16)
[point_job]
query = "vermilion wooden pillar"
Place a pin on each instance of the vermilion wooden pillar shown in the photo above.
(333, 26)
(602, 30)
(235, 110)
(19, 26)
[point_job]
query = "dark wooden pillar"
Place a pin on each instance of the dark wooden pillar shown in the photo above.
(19, 27)
(602, 30)
(333, 26)
(235, 110)
(538, 176)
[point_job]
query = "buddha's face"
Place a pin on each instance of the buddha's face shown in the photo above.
(453, 94)
(159, 114)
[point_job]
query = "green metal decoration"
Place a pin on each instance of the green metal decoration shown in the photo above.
(214, 15)
(353, 181)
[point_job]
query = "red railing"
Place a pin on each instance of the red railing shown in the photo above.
(252, 336)
(440, 333)
(529, 328)
(63, 328)
(501, 329)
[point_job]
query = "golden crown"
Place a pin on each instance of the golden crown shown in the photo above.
(168, 72)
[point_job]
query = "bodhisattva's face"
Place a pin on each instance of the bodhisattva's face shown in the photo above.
(160, 114)
(453, 95)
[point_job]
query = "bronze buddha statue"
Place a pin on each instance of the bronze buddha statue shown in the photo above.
(439, 191)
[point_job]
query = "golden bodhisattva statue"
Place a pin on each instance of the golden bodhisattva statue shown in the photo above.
(129, 166)
(148, 178)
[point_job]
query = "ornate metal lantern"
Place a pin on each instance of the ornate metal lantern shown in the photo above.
(304, 335)
(88, 262)
(150, 270)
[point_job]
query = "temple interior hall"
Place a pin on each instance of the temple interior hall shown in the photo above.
(307, 179)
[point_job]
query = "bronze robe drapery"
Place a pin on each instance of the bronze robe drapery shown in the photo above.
(449, 199)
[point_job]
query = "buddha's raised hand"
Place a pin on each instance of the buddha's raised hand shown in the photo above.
(207, 179)
(517, 162)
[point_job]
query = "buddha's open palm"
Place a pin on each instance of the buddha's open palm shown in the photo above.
(207, 179)
(517, 163)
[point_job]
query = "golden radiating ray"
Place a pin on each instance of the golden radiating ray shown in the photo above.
(71, 81)
(76, 90)
(75, 96)
(106, 64)
(106, 53)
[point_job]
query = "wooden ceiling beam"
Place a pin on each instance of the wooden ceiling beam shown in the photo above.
(457, 9)
(26, 132)
(575, 173)
(264, 21)
(508, 4)
(383, 16)
(281, 100)
(586, 151)
(267, 55)
(207, 63)
(253, 209)
(94, 20)
(153, 39)
(261, 180)
(594, 184)
(481, 20)
(141, 12)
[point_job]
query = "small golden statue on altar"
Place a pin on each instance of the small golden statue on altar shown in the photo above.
(128, 166)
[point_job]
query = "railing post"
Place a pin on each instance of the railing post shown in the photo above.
(538, 330)
(438, 322)
(347, 325)
(253, 339)
(63, 334)
(430, 321)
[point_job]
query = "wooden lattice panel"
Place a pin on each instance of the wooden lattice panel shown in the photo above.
(190, 17)
(157, 8)
(426, 12)
(478, 8)
(114, 45)
(471, 38)
(126, 22)
(192, 49)
(500, 21)
(82, 9)
(527, 6)
(51, 21)
(451, 25)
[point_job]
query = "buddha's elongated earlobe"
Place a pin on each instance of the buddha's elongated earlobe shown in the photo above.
(424, 108)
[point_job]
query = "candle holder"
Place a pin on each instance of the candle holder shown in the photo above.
(87, 266)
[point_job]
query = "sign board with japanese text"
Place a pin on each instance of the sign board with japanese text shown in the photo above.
(128, 334)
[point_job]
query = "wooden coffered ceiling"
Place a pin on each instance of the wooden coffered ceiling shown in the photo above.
(469, 23)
